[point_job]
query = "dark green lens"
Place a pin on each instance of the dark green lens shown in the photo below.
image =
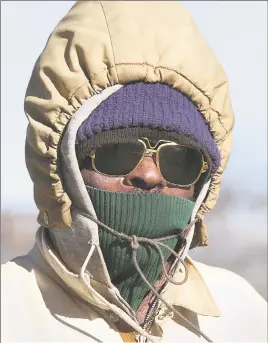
(118, 159)
(180, 165)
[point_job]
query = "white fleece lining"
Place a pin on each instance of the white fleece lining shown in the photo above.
(197, 205)
(75, 186)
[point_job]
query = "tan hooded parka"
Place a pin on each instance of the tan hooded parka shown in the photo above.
(95, 49)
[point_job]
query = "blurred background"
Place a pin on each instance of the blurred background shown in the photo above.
(237, 33)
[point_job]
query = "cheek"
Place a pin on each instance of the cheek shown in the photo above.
(97, 180)
(180, 192)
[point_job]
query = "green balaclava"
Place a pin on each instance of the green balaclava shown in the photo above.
(143, 215)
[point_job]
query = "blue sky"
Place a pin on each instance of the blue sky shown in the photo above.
(237, 33)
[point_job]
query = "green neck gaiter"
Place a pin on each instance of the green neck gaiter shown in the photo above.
(142, 215)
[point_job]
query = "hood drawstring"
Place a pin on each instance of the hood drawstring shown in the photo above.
(156, 242)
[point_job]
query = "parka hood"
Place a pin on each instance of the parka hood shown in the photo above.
(98, 45)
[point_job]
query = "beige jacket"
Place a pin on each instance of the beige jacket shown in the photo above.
(96, 49)
(37, 306)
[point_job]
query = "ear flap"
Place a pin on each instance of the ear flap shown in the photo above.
(200, 237)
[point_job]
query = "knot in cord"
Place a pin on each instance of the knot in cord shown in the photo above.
(134, 243)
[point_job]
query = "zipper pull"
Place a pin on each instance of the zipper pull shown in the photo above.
(141, 339)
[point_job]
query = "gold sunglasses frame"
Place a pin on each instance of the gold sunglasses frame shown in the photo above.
(149, 151)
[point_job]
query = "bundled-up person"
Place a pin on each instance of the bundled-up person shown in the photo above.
(130, 127)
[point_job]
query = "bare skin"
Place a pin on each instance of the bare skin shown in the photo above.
(144, 178)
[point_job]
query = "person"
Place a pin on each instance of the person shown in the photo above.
(130, 128)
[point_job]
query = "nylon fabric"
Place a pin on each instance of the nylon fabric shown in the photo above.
(101, 44)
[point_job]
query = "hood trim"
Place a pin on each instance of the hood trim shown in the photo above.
(69, 164)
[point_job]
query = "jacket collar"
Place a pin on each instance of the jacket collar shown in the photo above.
(193, 295)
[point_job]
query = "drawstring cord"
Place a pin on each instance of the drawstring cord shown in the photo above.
(134, 259)
(156, 242)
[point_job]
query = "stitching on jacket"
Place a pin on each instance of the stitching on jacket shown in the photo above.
(72, 93)
(109, 36)
(92, 76)
(163, 67)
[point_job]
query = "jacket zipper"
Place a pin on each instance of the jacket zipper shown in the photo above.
(150, 317)
(151, 314)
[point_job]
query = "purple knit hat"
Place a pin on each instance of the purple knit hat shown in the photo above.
(152, 106)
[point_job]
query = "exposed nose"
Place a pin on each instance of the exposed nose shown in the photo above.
(145, 176)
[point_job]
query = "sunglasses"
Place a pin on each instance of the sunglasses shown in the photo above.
(178, 164)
